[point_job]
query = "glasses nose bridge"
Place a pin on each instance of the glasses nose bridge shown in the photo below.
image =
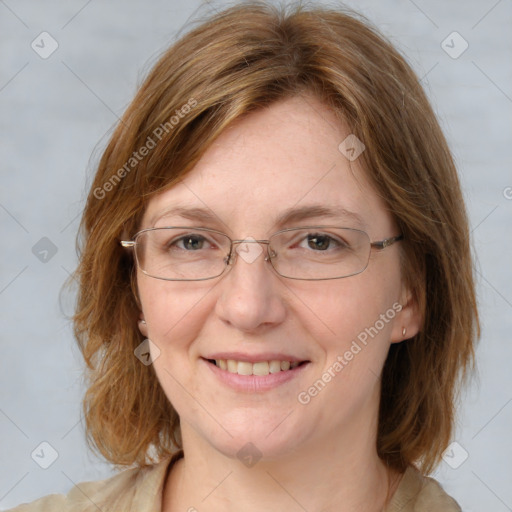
(233, 254)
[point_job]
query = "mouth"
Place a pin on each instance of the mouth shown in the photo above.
(260, 368)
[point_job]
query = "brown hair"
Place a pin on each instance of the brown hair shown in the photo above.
(237, 61)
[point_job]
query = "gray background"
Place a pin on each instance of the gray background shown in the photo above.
(57, 112)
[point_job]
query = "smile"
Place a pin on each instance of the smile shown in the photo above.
(260, 368)
(254, 376)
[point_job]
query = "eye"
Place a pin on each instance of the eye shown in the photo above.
(189, 242)
(323, 242)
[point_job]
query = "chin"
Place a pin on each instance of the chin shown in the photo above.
(251, 450)
(253, 438)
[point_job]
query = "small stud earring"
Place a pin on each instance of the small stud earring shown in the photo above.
(404, 330)
(142, 321)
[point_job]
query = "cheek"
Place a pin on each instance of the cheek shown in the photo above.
(174, 312)
(344, 308)
(354, 318)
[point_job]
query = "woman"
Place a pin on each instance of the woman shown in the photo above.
(276, 295)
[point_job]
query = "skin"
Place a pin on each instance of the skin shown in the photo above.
(281, 157)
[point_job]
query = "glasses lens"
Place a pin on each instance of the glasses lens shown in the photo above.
(319, 252)
(182, 253)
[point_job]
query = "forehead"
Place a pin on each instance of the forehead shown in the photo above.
(267, 165)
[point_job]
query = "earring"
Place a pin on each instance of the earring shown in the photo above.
(142, 321)
(404, 330)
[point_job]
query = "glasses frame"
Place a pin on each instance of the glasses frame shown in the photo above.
(231, 258)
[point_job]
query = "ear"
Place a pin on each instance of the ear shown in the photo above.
(407, 322)
(143, 328)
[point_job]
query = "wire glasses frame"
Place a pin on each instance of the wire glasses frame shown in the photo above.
(352, 254)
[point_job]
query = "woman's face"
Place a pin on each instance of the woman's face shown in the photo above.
(279, 159)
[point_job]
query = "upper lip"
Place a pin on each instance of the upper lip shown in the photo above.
(255, 358)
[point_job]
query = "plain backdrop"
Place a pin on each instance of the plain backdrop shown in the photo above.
(56, 114)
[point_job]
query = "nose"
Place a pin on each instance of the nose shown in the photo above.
(251, 297)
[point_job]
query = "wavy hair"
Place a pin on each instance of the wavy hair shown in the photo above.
(233, 63)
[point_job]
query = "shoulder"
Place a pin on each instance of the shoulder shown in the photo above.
(137, 489)
(417, 493)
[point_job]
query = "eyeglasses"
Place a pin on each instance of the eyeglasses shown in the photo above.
(310, 253)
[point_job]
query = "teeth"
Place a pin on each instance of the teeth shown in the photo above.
(261, 368)
(244, 368)
(274, 366)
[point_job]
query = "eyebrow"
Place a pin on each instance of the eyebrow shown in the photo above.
(293, 215)
(289, 216)
(190, 213)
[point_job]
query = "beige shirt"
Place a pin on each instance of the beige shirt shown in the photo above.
(141, 490)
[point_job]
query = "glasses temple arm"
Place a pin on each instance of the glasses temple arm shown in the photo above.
(387, 242)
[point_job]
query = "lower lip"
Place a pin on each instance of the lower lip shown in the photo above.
(254, 383)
